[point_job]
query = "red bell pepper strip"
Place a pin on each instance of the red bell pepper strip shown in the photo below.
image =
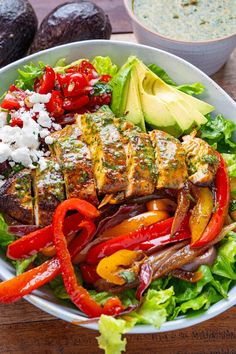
(217, 220)
(47, 81)
(23, 284)
(80, 296)
(134, 238)
(182, 209)
(35, 241)
(161, 241)
(89, 273)
(85, 236)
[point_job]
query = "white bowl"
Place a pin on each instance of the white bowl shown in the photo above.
(208, 55)
(181, 72)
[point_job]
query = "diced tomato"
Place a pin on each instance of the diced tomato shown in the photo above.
(47, 81)
(10, 102)
(100, 100)
(85, 68)
(74, 103)
(54, 106)
(16, 122)
(105, 78)
(14, 88)
(72, 84)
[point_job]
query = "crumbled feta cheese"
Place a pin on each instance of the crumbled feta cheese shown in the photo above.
(47, 153)
(3, 119)
(5, 152)
(12, 163)
(43, 133)
(57, 166)
(56, 126)
(22, 155)
(38, 107)
(2, 182)
(49, 140)
(42, 164)
(38, 98)
(44, 119)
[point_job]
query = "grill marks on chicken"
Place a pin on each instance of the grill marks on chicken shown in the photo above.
(49, 191)
(201, 160)
(16, 198)
(108, 155)
(74, 158)
(107, 152)
(170, 160)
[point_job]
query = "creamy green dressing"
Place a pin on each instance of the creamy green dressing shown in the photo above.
(192, 20)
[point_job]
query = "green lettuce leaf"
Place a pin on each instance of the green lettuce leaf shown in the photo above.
(230, 160)
(156, 307)
(225, 263)
(5, 237)
(218, 132)
(162, 74)
(201, 302)
(21, 265)
(111, 330)
(104, 66)
(191, 89)
(27, 76)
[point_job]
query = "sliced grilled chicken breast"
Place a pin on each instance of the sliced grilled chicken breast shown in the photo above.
(201, 160)
(107, 152)
(74, 158)
(16, 198)
(140, 159)
(48, 185)
(141, 166)
(170, 160)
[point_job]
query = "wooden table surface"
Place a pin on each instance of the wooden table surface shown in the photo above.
(25, 329)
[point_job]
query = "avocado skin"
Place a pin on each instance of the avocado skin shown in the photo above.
(18, 25)
(70, 22)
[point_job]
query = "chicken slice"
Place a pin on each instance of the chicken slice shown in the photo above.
(201, 160)
(107, 151)
(74, 158)
(170, 160)
(16, 198)
(48, 185)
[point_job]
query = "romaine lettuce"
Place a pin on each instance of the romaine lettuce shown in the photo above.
(104, 66)
(218, 132)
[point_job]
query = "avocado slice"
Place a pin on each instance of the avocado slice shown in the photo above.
(133, 111)
(167, 108)
(156, 111)
(120, 86)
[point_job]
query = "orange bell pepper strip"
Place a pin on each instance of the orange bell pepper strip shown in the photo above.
(135, 223)
(23, 284)
(201, 212)
(128, 240)
(108, 268)
(79, 295)
(222, 193)
(164, 204)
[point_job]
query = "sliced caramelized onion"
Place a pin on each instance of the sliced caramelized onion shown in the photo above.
(191, 277)
(223, 233)
(206, 258)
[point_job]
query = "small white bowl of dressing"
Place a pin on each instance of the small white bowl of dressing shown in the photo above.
(202, 32)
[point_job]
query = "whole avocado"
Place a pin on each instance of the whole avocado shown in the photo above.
(70, 22)
(18, 25)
